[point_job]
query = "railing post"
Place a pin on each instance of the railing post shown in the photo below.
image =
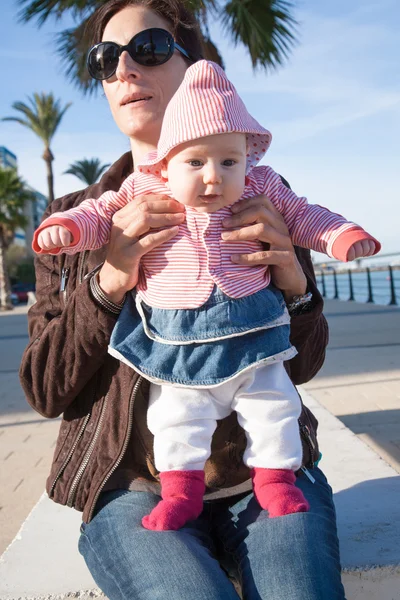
(335, 283)
(392, 288)
(370, 294)
(351, 286)
(323, 284)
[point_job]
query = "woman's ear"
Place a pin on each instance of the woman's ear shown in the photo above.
(164, 170)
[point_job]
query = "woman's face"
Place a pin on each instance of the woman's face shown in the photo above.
(142, 119)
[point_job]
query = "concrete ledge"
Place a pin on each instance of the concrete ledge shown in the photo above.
(366, 492)
(43, 562)
(374, 583)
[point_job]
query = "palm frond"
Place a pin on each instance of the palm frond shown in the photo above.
(72, 48)
(202, 9)
(266, 28)
(42, 113)
(14, 194)
(196, 6)
(41, 10)
(87, 170)
(20, 121)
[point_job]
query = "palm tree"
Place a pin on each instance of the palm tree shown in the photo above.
(87, 170)
(265, 27)
(13, 196)
(42, 115)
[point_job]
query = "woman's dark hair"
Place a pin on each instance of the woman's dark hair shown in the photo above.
(182, 22)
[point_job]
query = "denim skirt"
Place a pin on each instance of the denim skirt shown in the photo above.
(203, 347)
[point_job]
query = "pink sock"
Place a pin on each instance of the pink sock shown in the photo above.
(182, 500)
(275, 492)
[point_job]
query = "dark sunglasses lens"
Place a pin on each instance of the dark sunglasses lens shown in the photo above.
(151, 47)
(103, 60)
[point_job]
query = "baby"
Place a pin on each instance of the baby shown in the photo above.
(210, 334)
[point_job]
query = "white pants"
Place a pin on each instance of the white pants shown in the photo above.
(268, 406)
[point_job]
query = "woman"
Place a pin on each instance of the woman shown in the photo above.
(103, 463)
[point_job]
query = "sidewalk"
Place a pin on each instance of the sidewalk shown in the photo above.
(360, 380)
(26, 439)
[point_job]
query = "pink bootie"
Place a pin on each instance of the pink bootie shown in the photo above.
(275, 491)
(182, 500)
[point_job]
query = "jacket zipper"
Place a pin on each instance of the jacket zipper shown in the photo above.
(306, 433)
(85, 461)
(81, 266)
(65, 275)
(63, 283)
(63, 289)
(126, 441)
(66, 461)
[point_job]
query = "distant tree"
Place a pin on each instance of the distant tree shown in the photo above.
(42, 115)
(15, 255)
(13, 196)
(265, 27)
(87, 170)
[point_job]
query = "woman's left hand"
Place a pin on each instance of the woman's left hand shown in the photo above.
(258, 219)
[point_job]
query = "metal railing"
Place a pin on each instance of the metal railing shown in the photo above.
(378, 284)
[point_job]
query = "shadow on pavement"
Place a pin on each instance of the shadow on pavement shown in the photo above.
(372, 537)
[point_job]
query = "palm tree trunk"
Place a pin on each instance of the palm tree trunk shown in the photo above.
(5, 287)
(48, 158)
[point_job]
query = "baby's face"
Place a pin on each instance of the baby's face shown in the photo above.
(208, 173)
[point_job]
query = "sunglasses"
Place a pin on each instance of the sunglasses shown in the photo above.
(149, 48)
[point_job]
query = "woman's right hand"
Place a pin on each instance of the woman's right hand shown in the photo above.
(132, 236)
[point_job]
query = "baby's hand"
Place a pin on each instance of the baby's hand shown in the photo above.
(360, 249)
(54, 236)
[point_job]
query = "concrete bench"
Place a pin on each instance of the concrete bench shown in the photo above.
(43, 561)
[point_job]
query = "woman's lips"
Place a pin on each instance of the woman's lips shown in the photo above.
(135, 101)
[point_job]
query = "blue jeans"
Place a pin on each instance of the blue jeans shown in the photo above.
(295, 557)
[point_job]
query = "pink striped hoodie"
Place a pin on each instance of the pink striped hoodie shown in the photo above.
(182, 272)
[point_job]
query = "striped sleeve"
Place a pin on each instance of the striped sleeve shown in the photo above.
(90, 222)
(313, 226)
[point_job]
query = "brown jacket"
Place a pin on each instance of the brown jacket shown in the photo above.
(66, 370)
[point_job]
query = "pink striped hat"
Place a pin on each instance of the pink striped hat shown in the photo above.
(206, 103)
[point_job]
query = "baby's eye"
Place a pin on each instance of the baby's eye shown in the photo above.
(229, 162)
(195, 163)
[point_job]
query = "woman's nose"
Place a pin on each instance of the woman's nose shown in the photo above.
(127, 68)
(212, 175)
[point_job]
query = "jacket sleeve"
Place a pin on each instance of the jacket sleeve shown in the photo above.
(89, 223)
(309, 331)
(68, 344)
(313, 226)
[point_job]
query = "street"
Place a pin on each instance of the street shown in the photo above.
(26, 438)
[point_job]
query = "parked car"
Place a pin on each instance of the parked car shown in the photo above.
(21, 290)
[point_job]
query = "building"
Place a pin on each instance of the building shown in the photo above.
(33, 210)
(7, 158)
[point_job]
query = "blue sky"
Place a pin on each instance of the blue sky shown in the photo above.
(333, 108)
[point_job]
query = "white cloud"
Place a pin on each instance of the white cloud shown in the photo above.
(289, 130)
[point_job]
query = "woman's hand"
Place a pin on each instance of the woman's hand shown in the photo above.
(132, 236)
(258, 219)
